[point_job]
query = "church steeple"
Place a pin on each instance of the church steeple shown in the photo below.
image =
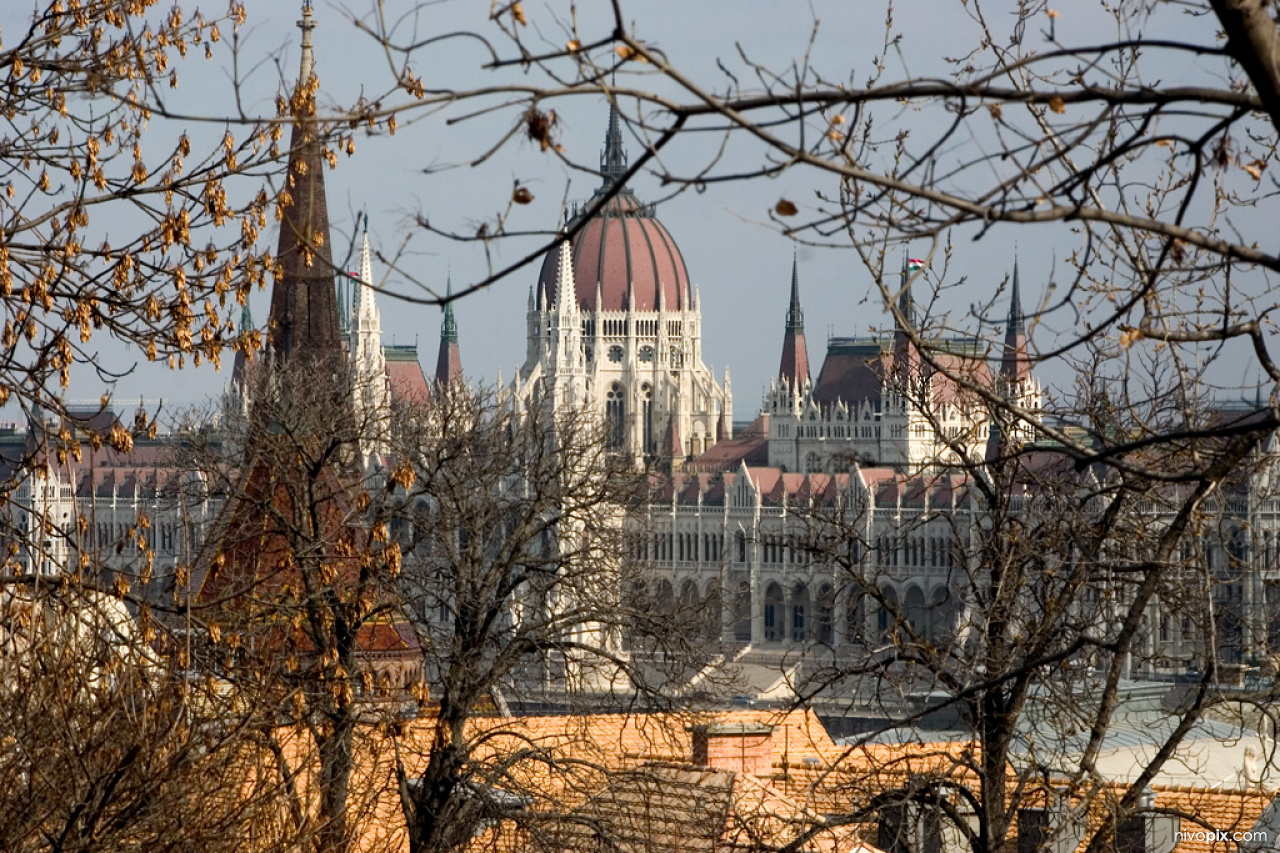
(613, 160)
(449, 360)
(1015, 325)
(304, 301)
(1015, 364)
(794, 368)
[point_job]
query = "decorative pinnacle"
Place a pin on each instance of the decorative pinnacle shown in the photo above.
(795, 317)
(1016, 324)
(366, 268)
(613, 160)
(449, 327)
(306, 24)
(566, 290)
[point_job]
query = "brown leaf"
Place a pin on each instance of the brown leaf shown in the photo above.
(624, 52)
(517, 12)
(785, 208)
(573, 45)
(1056, 104)
(994, 109)
(522, 195)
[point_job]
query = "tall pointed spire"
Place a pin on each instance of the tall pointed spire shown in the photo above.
(613, 160)
(1016, 323)
(794, 367)
(1015, 364)
(304, 300)
(449, 360)
(364, 309)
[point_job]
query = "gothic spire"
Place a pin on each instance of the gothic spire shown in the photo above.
(449, 359)
(795, 317)
(304, 300)
(1016, 324)
(364, 308)
(794, 367)
(1015, 364)
(613, 160)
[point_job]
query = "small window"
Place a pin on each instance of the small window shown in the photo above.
(615, 353)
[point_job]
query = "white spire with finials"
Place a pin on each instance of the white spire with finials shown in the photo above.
(364, 310)
(306, 24)
(566, 289)
(364, 343)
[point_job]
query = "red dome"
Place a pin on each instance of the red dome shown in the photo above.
(622, 247)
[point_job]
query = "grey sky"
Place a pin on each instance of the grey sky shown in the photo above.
(741, 265)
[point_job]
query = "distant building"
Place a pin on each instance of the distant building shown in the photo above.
(615, 324)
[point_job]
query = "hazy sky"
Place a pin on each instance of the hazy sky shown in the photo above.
(741, 264)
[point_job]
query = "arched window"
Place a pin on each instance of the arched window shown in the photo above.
(666, 602)
(887, 615)
(615, 415)
(823, 629)
(742, 613)
(712, 610)
(855, 618)
(799, 614)
(773, 613)
(944, 614)
(646, 403)
(690, 609)
(915, 609)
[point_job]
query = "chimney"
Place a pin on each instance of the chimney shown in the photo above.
(740, 747)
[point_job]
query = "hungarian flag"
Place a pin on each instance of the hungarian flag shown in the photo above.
(914, 264)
